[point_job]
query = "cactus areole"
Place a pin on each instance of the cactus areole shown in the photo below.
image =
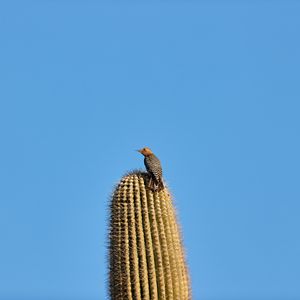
(146, 256)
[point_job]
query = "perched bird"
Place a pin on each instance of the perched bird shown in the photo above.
(154, 169)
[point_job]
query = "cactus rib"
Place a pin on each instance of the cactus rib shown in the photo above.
(146, 255)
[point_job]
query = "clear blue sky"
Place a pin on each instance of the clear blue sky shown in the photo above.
(211, 86)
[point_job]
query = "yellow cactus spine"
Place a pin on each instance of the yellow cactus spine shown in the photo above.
(146, 256)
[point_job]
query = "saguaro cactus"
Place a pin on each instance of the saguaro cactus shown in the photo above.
(146, 256)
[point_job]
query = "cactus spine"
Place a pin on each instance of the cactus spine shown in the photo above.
(146, 257)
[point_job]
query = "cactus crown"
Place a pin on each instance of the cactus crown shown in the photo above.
(146, 257)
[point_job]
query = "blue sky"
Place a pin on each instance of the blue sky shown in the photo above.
(211, 86)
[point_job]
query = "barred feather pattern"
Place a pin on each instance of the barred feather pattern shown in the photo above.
(153, 166)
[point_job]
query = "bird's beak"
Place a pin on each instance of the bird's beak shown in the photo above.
(138, 150)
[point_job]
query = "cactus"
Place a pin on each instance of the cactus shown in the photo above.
(146, 256)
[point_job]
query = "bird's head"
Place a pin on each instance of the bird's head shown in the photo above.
(145, 151)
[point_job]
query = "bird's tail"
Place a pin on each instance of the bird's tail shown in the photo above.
(156, 186)
(160, 185)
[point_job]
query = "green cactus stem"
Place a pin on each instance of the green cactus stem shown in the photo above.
(146, 256)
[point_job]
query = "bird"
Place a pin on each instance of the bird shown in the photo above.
(154, 169)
